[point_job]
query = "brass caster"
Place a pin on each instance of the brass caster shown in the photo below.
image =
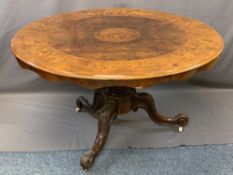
(181, 129)
(77, 109)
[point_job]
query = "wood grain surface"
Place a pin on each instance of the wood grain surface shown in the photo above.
(123, 47)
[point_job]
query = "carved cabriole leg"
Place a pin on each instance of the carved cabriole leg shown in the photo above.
(146, 102)
(84, 106)
(106, 115)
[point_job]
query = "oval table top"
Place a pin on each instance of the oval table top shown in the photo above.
(117, 47)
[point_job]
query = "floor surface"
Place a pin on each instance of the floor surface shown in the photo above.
(183, 160)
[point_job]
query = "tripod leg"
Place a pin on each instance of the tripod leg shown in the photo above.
(146, 102)
(106, 115)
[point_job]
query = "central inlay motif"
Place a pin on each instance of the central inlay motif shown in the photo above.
(114, 38)
(117, 34)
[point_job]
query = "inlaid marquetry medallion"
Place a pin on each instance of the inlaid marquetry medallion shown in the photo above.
(117, 34)
(117, 38)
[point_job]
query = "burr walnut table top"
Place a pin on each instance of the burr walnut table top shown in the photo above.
(117, 47)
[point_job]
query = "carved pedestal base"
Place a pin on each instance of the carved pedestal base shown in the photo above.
(108, 103)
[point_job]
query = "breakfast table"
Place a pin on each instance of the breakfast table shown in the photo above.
(116, 51)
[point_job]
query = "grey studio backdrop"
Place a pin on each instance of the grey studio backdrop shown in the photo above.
(39, 115)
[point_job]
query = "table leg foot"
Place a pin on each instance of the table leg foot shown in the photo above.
(87, 160)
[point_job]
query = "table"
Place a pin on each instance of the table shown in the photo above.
(116, 51)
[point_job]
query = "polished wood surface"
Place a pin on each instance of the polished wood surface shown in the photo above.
(123, 47)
